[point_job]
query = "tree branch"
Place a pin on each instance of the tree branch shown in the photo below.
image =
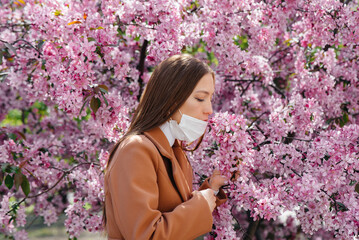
(141, 67)
(257, 118)
(277, 90)
(47, 190)
(252, 228)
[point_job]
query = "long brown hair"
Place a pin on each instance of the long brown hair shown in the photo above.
(170, 84)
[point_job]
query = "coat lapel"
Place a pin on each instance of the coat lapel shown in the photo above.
(159, 139)
(183, 163)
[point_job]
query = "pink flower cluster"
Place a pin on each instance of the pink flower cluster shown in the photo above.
(286, 121)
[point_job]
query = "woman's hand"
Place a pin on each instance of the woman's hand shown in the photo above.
(217, 180)
(208, 194)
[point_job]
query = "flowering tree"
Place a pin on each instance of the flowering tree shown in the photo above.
(286, 121)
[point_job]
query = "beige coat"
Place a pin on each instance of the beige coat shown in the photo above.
(148, 188)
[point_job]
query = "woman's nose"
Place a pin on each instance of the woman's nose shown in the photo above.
(209, 109)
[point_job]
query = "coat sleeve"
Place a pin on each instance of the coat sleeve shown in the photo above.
(132, 183)
(221, 197)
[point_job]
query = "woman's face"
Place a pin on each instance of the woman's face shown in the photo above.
(198, 104)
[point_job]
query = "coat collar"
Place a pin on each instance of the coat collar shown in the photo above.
(159, 139)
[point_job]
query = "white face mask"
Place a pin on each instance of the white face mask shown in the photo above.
(189, 129)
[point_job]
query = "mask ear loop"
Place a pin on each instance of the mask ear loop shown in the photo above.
(180, 113)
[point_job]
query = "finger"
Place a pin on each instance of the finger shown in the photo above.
(223, 180)
(216, 172)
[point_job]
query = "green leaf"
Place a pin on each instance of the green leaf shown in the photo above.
(345, 118)
(43, 65)
(326, 157)
(40, 44)
(357, 188)
(352, 182)
(25, 185)
(79, 153)
(95, 104)
(341, 123)
(44, 150)
(85, 102)
(10, 47)
(82, 107)
(87, 206)
(58, 13)
(1, 177)
(99, 51)
(342, 207)
(104, 98)
(241, 41)
(4, 166)
(18, 178)
(311, 117)
(9, 181)
(10, 168)
(3, 75)
(103, 88)
(98, 28)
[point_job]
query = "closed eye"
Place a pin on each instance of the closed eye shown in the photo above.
(199, 99)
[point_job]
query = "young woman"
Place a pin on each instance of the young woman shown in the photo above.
(148, 182)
